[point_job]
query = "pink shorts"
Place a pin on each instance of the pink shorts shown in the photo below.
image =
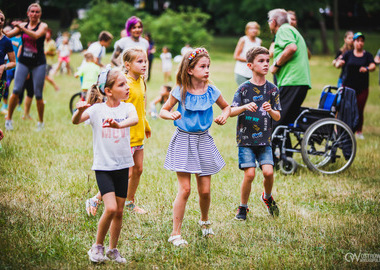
(136, 148)
(64, 59)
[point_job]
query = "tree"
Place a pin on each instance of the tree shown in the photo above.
(175, 29)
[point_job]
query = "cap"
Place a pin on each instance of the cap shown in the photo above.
(357, 35)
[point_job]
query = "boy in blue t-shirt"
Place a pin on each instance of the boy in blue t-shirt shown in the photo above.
(256, 103)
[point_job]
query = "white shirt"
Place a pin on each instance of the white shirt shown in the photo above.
(128, 42)
(241, 68)
(112, 150)
(64, 50)
(97, 50)
(166, 61)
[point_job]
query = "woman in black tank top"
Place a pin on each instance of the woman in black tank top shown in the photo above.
(32, 60)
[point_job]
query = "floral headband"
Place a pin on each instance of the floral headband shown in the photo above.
(102, 79)
(197, 51)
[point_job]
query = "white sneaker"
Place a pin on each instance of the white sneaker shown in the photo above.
(114, 255)
(8, 125)
(40, 126)
(359, 136)
(96, 254)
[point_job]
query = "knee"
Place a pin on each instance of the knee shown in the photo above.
(185, 192)
(111, 210)
(137, 170)
(268, 173)
(119, 213)
(204, 194)
(249, 175)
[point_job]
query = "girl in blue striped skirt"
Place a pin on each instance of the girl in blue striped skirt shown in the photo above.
(192, 149)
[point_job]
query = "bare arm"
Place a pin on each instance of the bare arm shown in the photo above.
(10, 65)
(286, 55)
(14, 32)
(41, 31)
(166, 113)
(271, 50)
(371, 67)
(247, 107)
(132, 120)
(226, 111)
(115, 56)
(276, 115)
(238, 50)
(79, 115)
(377, 59)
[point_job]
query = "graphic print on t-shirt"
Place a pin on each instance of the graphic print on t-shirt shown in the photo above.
(255, 128)
(30, 46)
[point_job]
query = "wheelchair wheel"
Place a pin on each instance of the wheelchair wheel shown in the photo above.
(73, 101)
(288, 166)
(328, 146)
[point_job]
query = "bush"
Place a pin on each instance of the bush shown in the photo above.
(175, 29)
(106, 16)
(171, 29)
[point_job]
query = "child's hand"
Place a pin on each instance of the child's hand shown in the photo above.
(110, 123)
(251, 107)
(267, 107)
(148, 134)
(82, 106)
(175, 115)
(221, 119)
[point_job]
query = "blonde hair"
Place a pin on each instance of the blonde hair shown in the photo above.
(189, 60)
(34, 5)
(89, 57)
(94, 94)
(253, 25)
(345, 46)
(130, 54)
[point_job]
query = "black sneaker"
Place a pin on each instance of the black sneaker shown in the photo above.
(271, 205)
(242, 213)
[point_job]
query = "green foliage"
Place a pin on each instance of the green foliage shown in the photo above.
(106, 16)
(175, 29)
(172, 29)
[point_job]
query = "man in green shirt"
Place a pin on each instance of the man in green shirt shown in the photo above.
(291, 65)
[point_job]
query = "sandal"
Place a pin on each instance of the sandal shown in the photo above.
(206, 228)
(177, 241)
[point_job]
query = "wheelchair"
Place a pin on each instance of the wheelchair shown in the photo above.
(327, 144)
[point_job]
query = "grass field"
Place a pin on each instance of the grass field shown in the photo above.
(45, 178)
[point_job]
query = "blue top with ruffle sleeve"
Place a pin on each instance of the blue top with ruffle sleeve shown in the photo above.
(196, 113)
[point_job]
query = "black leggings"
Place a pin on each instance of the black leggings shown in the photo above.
(113, 181)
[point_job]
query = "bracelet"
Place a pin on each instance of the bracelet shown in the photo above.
(367, 68)
(275, 64)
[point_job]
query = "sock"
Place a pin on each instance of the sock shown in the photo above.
(244, 205)
(267, 196)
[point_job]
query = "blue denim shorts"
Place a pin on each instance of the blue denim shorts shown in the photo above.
(248, 155)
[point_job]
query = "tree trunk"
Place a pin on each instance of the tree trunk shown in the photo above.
(325, 48)
(336, 26)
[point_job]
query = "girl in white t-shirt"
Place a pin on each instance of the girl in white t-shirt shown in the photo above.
(110, 123)
(166, 58)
